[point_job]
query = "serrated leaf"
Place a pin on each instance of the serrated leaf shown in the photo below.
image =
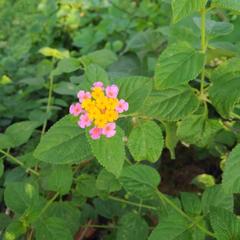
(191, 203)
(198, 130)
(184, 8)
(64, 143)
(233, 5)
(140, 180)
(231, 177)
(134, 90)
(177, 65)
(56, 178)
(173, 227)
(20, 196)
(52, 228)
(132, 226)
(17, 134)
(86, 185)
(225, 224)
(146, 142)
(171, 104)
(226, 80)
(110, 152)
(215, 196)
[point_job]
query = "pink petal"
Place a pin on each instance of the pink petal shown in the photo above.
(84, 121)
(75, 109)
(82, 95)
(122, 106)
(109, 130)
(112, 91)
(95, 133)
(98, 84)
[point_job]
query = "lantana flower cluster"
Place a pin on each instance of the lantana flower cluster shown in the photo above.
(99, 109)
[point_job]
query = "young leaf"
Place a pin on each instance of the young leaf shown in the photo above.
(20, 196)
(177, 65)
(215, 196)
(146, 142)
(57, 178)
(184, 8)
(231, 177)
(173, 227)
(134, 90)
(132, 226)
(110, 152)
(140, 180)
(171, 104)
(225, 224)
(64, 143)
(52, 228)
(233, 5)
(226, 79)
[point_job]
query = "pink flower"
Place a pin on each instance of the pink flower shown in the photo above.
(122, 106)
(98, 84)
(82, 95)
(95, 133)
(112, 91)
(84, 121)
(109, 130)
(75, 109)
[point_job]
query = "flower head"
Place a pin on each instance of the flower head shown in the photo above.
(99, 109)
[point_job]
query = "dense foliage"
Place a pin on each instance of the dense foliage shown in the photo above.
(177, 65)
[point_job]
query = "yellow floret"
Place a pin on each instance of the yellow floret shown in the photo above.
(111, 115)
(100, 121)
(88, 104)
(97, 93)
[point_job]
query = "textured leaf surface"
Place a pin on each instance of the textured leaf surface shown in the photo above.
(233, 5)
(183, 8)
(226, 80)
(171, 104)
(177, 65)
(146, 142)
(64, 143)
(134, 90)
(231, 176)
(110, 152)
(140, 180)
(173, 227)
(225, 224)
(132, 226)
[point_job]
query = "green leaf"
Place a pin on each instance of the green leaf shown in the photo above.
(198, 130)
(110, 152)
(14, 230)
(215, 196)
(67, 212)
(140, 180)
(173, 227)
(171, 137)
(177, 65)
(67, 65)
(225, 224)
(226, 75)
(191, 203)
(132, 226)
(17, 134)
(86, 185)
(64, 143)
(146, 142)
(52, 229)
(106, 181)
(231, 177)
(184, 8)
(233, 5)
(103, 58)
(57, 178)
(20, 196)
(134, 90)
(52, 52)
(4, 221)
(95, 73)
(1, 168)
(171, 104)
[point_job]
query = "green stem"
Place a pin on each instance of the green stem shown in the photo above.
(179, 210)
(17, 161)
(48, 103)
(131, 203)
(203, 46)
